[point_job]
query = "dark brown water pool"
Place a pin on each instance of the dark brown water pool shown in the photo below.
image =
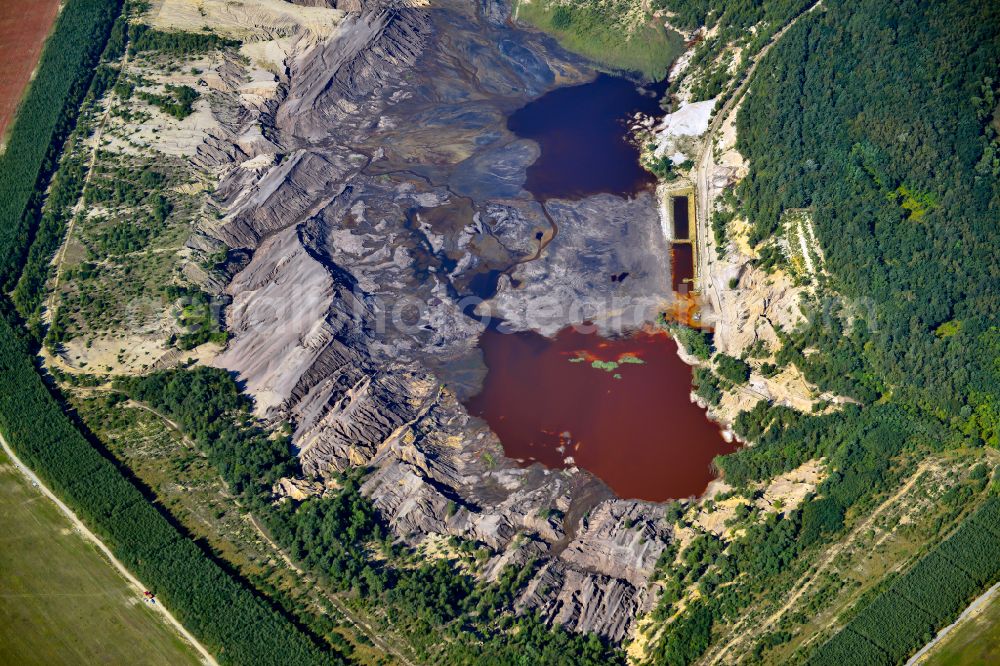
(681, 227)
(681, 266)
(617, 408)
(584, 136)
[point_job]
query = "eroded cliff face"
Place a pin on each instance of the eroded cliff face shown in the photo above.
(369, 201)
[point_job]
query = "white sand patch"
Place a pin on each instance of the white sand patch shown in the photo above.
(269, 56)
(124, 354)
(689, 120)
(262, 161)
(663, 211)
(676, 133)
(170, 136)
(790, 489)
(718, 520)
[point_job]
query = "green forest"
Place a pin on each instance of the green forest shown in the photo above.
(48, 222)
(874, 116)
(887, 101)
(880, 118)
(750, 24)
(909, 612)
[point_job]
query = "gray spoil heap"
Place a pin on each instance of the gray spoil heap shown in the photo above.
(385, 181)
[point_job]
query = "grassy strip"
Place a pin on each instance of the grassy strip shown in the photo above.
(100, 623)
(928, 596)
(44, 120)
(596, 33)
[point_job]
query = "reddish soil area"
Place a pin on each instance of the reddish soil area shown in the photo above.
(686, 309)
(618, 408)
(24, 25)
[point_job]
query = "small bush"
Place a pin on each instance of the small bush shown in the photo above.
(735, 370)
(562, 18)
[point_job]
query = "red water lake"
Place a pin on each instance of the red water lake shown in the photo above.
(617, 408)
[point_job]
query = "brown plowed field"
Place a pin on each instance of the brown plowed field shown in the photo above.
(24, 25)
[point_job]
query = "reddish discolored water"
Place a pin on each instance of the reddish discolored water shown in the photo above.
(681, 266)
(617, 408)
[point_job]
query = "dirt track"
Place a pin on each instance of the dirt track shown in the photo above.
(811, 576)
(24, 25)
(705, 164)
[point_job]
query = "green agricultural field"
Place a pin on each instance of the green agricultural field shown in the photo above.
(595, 31)
(976, 641)
(61, 602)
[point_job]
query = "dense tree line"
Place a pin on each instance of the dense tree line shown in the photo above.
(908, 613)
(45, 118)
(873, 117)
(333, 535)
(865, 452)
(778, 546)
(869, 115)
(29, 291)
(65, 190)
(235, 625)
(209, 408)
(447, 616)
(176, 42)
(688, 637)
